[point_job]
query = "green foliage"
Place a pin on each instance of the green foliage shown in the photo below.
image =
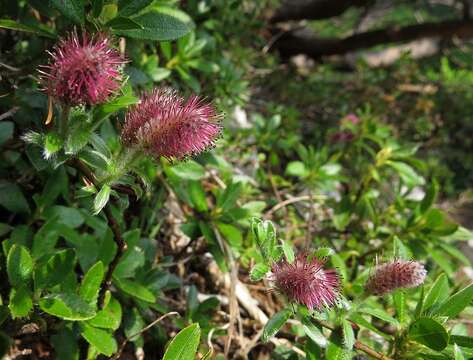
(291, 174)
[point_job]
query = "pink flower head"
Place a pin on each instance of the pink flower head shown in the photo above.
(394, 275)
(84, 71)
(165, 124)
(352, 118)
(305, 281)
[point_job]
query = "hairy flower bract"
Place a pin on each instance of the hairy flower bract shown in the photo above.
(394, 275)
(307, 282)
(83, 71)
(165, 124)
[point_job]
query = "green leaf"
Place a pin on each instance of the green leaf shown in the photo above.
(102, 111)
(67, 307)
(399, 300)
(69, 216)
(159, 24)
(288, 251)
(348, 335)
(231, 233)
(90, 287)
(123, 23)
(184, 345)
(71, 9)
(55, 270)
(264, 234)
(458, 353)
(134, 289)
(456, 303)
(133, 259)
(13, 25)
(189, 170)
(6, 128)
(19, 265)
(335, 351)
(430, 197)
(102, 340)
(437, 293)
(463, 341)
(213, 244)
(65, 345)
(429, 332)
(108, 318)
(314, 333)
(12, 198)
(380, 314)
(259, 271)
(296, 168)
(132, 7)
(20, 303)
(101, 199)
(229, 197)
(406, 173)
(275, 323)
(197, 196)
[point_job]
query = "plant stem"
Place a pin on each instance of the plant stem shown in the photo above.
(117, 235)
(64, 121)
(358, 344)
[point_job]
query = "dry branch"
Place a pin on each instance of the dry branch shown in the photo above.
(303, 41)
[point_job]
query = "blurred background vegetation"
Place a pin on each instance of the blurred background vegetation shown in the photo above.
(286, 81)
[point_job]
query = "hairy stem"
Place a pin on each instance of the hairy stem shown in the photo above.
(358, 344)
(112, 223)
(64, 121)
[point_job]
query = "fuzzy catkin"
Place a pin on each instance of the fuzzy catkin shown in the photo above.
(305, 281)
(165, 124)
(82, 71)
(394, 275)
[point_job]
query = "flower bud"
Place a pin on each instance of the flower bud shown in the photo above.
(165, 124)
(305, 281)
(394, 275)
(84, 71)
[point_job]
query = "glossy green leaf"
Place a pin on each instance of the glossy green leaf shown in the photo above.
(55, 270)
(259, 271)
(159, 25)
(429, 332)
(135, 289)
(380, 314)
(101, 199)
(437, 293)
(123, 23)
(102, 111)
(71, 9)
(184, 345)
(314, 333)
(132, 7)
(456, 303)
(108, 318)
(102, 340)
(90, 287)
(13, 25)
(20, 302)
(348, 335)
(67, 306)
(275, 323)
(19, 265)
